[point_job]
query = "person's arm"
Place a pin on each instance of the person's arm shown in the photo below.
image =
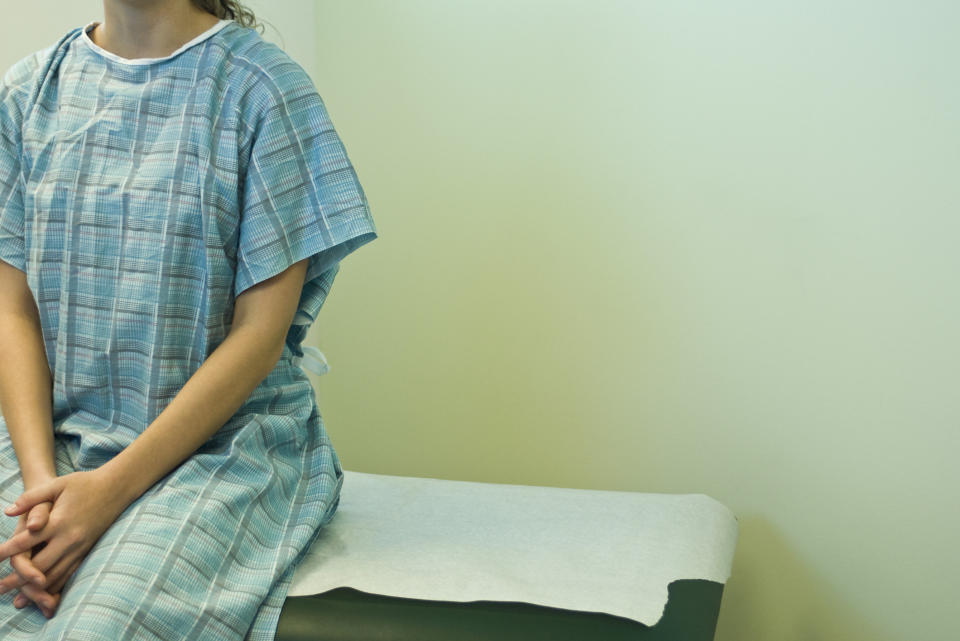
(219, 387)
(88, 502)
(25, 382)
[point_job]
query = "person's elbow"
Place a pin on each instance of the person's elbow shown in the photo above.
(15, 295)
(266, 310)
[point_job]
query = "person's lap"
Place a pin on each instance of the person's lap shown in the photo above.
(29, 618)
(173, 565)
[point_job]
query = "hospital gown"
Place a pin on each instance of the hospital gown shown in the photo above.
(140, 197)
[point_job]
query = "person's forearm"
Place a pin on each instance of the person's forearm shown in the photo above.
(209, 398)
(26, 395)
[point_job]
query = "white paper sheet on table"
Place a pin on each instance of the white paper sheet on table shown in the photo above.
(589, 550)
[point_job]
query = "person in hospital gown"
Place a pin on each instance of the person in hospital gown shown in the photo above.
(140, 197)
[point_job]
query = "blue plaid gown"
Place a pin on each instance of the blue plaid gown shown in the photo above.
(140, 196)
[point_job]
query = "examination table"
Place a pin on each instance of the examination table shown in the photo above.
(421, 559)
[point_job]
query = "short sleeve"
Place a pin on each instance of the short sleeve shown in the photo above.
(12, 249)
(301, 197)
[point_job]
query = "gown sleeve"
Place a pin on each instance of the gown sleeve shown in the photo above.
(300, 195)
(12, 249)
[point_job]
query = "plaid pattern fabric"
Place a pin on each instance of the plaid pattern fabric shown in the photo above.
(140, 197)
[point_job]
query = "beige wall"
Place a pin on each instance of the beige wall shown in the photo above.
(663, 247)
(669, 247)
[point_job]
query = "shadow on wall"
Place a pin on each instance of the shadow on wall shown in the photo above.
(772, 594)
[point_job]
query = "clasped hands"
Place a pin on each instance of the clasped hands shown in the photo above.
(59, 522)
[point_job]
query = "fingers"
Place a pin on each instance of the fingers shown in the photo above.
(44, 600)
(24, 568)
(48, 600)
(22, 541)
(56, 598)
(25, 571)
(10, 582)
(54, 558)
(46, 492)
(57, 586)
(21, 601)
(28, 591)
(38, 515)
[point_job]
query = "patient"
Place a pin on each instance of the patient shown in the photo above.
(166, 241)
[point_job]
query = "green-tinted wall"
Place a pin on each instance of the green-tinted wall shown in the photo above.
(669, 247)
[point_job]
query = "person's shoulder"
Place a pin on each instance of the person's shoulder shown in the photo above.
(20, 80)
(19, 75)
(262, 57)
(26, 73)
(266, 72)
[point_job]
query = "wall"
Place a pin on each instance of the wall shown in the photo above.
(668, 247)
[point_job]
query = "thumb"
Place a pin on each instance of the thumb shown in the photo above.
(33, 496)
